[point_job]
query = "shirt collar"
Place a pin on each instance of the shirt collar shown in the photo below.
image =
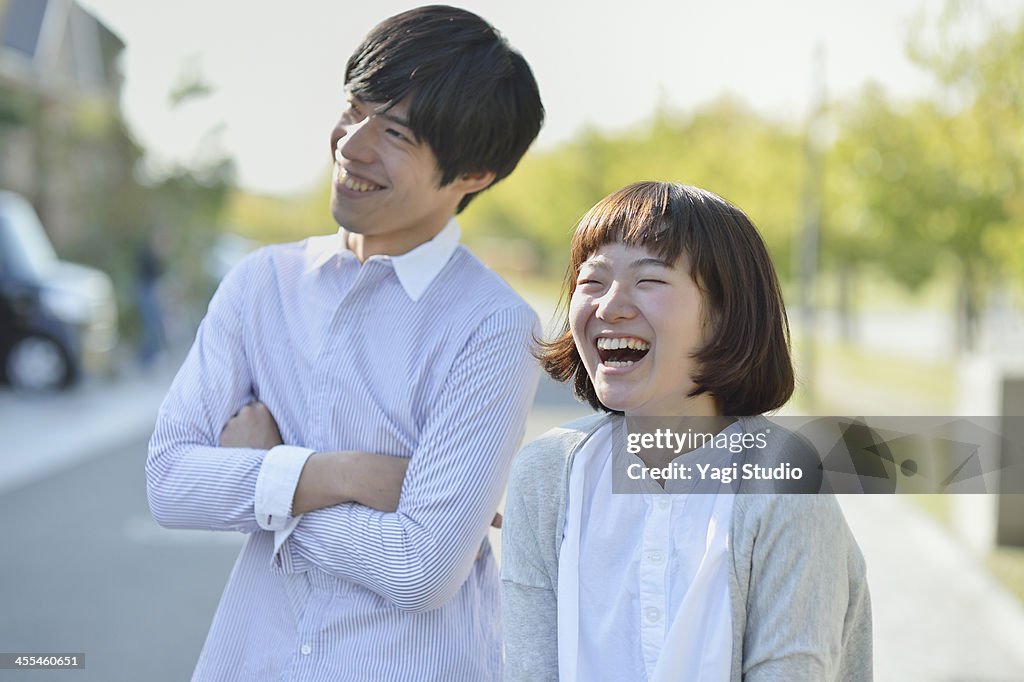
(415, 269)
(419, 267)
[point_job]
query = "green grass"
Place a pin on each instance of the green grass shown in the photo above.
(929, 381)
(937, 506)
(1007, 565)
(850, 380)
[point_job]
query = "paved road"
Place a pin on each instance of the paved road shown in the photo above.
(85, 569)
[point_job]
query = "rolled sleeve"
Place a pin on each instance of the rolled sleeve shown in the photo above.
(275, 486)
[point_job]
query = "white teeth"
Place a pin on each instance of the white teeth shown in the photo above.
(616, 363)
(614, 344)
(357, 185)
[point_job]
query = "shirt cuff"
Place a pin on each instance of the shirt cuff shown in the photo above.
(276, 483)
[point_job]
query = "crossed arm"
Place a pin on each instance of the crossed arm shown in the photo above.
(416, 557)
(329, 478)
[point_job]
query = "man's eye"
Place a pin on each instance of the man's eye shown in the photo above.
(652, 281)
(584, 282)
(397, 134)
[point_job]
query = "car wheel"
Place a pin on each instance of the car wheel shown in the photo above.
(38, 363)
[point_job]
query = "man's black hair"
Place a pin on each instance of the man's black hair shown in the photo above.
(472, 97)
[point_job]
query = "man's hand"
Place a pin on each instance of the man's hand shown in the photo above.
(252, 427)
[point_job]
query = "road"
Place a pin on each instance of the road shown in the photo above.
(87, 570)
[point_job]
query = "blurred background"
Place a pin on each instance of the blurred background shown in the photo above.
(144, 149)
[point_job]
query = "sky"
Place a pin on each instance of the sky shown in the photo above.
(276, 68)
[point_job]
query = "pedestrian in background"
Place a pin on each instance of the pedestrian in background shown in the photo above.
(152, 332)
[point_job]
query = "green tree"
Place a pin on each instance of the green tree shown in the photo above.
(985, 77)
(724, 147)
(916, 186)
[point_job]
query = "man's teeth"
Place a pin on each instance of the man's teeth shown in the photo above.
(357, 185)
(615, 344)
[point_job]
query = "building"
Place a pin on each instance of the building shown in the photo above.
(60, 89)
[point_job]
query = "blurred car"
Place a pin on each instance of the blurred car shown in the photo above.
(57, 319)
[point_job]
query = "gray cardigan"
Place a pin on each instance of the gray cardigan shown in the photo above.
(800, 603)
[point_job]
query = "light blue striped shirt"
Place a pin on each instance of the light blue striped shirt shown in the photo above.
(424, 355)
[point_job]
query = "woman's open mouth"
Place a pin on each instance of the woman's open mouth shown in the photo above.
(622, 351)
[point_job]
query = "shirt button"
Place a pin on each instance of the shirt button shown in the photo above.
(652, 614)
(306, 649)
(655, 557)
(664, 502)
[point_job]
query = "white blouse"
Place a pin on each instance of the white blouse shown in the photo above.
(643, 589)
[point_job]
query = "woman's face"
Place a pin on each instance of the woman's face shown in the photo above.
(636, 321)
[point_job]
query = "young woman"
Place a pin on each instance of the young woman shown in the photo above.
(675, 312)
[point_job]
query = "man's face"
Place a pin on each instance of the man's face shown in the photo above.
(385, 184)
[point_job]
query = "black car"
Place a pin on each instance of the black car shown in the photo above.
(57, 319)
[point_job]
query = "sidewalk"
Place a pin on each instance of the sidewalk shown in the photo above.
(44, 434)
(939, 615)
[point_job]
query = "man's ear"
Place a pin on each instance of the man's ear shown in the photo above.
(475, 181)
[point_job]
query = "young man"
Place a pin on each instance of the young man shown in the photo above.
(386, 338)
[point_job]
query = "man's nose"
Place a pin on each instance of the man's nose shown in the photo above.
(616, 303)
(353, 141)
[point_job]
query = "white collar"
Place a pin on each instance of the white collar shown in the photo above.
(415, 269)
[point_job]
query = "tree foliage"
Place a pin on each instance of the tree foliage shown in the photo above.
(915, 186)
(723, 147)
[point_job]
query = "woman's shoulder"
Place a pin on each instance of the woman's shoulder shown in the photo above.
(546, 455)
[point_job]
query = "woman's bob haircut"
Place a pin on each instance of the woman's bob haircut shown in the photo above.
(745, 363)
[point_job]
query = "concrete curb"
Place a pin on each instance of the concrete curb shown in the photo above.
(44, 434)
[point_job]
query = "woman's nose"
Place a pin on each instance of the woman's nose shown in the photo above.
(615, 304)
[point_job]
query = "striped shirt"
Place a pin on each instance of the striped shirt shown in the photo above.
(425, 356)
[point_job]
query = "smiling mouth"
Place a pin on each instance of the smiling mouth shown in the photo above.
(349, 182)
(621, 352)
(354, 183)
